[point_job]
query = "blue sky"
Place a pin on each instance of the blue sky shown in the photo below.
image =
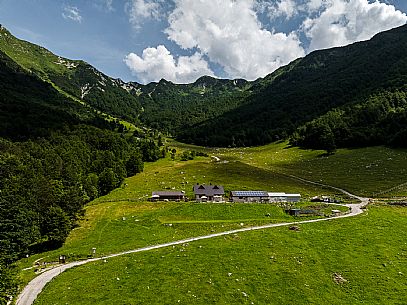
(181, 40)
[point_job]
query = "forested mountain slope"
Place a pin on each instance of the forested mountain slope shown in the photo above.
(363, 84)
(174, 107)
(74, 77)
(347, 96)
(345, 78)
(57, 151)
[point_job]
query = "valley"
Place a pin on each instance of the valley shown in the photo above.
(125, 220)
(81, 154)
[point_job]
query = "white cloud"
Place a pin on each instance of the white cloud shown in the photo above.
(231, 35)
(141, 10)
(157, 63)
(342, 22)
(283, 8)
(104, 5)
(72, 13)
(315, 5)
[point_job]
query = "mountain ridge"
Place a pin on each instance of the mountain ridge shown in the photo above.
(235, 112)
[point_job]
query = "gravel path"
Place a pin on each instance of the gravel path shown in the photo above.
(31, 291)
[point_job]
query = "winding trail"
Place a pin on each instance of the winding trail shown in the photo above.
(31, 291)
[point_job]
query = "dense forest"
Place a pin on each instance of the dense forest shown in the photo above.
(354, 77)
(46, 182)
(56, 154)
(173, 108)
(364, 81)
(380, 119)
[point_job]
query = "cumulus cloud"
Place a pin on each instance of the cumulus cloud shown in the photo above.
(157, 63)
(229, 33)
(342, 22)
(315, 5)
(72, 13)
(281, 8)
(141, 10)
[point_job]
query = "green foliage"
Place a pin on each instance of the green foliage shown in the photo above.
(91, 186)
(380, 119)
(46, 182)
(55, 224)
(108, 181)
(150, 151)
(191, 154)
(174, 107)
(135, 163)
(188, 155)
(345, 97)
(73, 78)
(8, 283)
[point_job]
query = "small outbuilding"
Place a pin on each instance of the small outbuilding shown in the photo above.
(168, 196)
(294, 212)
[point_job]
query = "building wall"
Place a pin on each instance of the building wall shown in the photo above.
(249, 199)
(278, 199)
(293, 199)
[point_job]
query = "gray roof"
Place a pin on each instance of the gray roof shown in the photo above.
(169, 193)
(208, 190)
(249, 194)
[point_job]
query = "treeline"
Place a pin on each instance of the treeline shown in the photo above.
(46, 182)
(379, 120)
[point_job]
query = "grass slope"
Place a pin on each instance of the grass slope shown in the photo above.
(370, 171)
(268, 267)
(125, 212)
(276, 266)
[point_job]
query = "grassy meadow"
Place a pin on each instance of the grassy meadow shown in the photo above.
(270, 266)
(370, 172)
(360, 260)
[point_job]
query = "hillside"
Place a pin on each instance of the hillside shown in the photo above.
(57, 150)
(75, 78)
(29, 105)
(340, 97)
(368, 251)
(364, 84)
(173, 107)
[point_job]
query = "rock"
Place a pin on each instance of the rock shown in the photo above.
(338, 278)
(294, 228)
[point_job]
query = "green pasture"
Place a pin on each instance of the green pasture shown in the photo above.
(371, 171)
(124, 220)
(361, 260)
